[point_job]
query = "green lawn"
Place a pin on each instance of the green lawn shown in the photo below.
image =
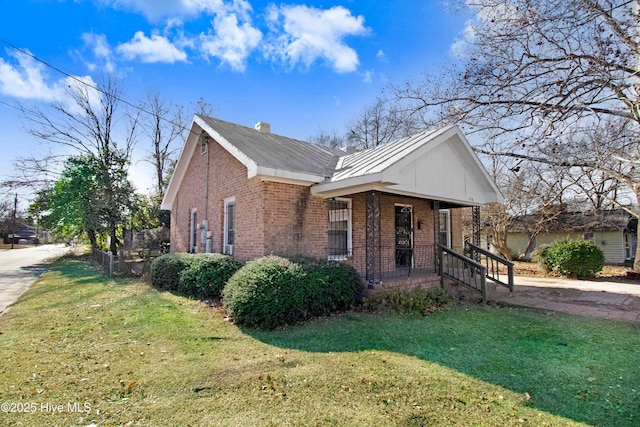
(131, 355)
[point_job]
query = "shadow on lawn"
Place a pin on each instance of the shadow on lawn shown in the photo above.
(581, 369)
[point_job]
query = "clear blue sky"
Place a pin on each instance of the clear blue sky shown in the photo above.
(301, 66)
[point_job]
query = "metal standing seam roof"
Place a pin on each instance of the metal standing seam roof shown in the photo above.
(377, 159)
(276, 151)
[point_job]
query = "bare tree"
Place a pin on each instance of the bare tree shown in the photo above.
(328, 139)
(383, 121)
(87, 123)
(553, 82)
(163, 126)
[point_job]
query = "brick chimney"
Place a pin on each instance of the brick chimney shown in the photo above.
(263, 127)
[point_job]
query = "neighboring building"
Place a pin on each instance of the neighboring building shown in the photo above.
(251, 193)
(613, 231)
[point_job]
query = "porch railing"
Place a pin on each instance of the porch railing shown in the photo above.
(493, 265)
(393, 263)
(462, 270)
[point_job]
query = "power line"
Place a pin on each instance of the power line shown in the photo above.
(94, 87)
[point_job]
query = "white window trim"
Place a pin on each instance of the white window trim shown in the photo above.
(193, 227)
(204, 143)
(349, 233)
(447, 212)
(225, 235)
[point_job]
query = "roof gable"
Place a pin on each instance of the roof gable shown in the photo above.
(435, 164)
(263, 154)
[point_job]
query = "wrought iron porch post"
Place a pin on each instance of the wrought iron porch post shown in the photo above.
(436, 230)
(373, 238)
(475, 226)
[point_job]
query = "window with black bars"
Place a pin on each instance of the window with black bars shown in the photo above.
(339, 229)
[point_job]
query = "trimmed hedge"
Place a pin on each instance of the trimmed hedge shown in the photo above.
(574, 258)
(207, 274)
(198, 276)
(273, 291)
(166, 269)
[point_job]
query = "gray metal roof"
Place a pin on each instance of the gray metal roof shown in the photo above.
(377, 159)
(276, 151)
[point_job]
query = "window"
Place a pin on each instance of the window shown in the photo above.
(229, 225)
(339, 229)
(444, 236)
(204, 143)
(193, 231)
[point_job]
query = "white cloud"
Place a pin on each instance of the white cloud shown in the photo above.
(299, 35)
(308, 34)
(156, 10)
(367, 76)
(101, 51)
(231, 42)
(157, 48)
(26, 79)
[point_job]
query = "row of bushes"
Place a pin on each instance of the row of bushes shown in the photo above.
(268, 292)
(199, 276)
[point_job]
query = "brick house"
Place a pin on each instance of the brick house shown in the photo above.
(248, 192)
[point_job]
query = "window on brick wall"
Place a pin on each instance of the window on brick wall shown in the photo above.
(339, 247)
(444, 237)
(193, 231)
(229, 225)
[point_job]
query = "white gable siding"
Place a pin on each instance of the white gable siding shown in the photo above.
(440, 173)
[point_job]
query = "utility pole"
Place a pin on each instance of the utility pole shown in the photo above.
(13, 222)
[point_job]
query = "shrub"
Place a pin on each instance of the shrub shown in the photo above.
(539, 255)
(166, 269)
(330, 286)
(207, 274)
(271, 292)
(575, 258)
(267, 293)
(415, 301)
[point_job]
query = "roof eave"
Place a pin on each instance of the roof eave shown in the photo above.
(288, 177)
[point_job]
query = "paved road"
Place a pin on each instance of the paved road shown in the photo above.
(20, 268)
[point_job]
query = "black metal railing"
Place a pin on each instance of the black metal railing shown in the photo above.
(493, 264)
(462, 270)
(393, 263)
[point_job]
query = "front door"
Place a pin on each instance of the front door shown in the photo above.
(404, 236)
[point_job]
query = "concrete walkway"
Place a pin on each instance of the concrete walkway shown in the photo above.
(609, 300)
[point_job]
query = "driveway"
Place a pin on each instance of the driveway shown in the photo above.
(597, 298)
(20, 268)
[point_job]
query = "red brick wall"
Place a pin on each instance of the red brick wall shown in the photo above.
(295, 222)
(271, 218)
(227, 178)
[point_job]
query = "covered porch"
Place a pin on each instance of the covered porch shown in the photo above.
(392, 205)
(392, 240)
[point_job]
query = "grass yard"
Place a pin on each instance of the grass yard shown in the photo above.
(80, 349)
